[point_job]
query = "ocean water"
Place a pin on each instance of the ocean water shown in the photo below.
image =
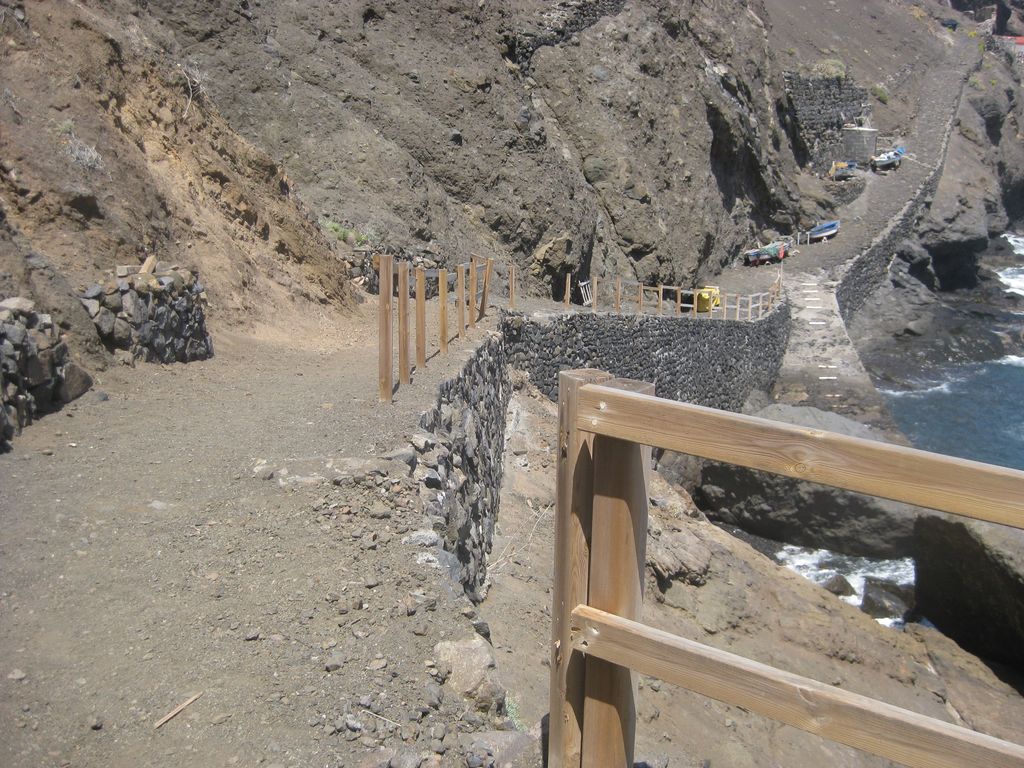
(819, 565)
(973, 411)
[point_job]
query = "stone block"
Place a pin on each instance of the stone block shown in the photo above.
(75, 383)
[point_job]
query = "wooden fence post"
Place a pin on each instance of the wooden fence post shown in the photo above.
(511, 286)
(421, 318)
(404, 373)
(574, 496)
(618, 563)
(640, 299)
(460, 297)
(618, 295)
(384, 328)
(568, 290)
(442, 308)
(679, 301)
(486, 289)
(471, 305)
(593, 295)
(661, 297)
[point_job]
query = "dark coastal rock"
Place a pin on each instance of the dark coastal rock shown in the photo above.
(970, 584)
(838, 585)
(885, 599)
(805, 513)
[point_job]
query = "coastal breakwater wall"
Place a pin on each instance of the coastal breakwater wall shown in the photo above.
(715, 364)
(862, 276)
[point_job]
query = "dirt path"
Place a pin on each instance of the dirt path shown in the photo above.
(142, 562)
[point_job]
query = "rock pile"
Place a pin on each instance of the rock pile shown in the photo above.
(154, 311)
(35, 372)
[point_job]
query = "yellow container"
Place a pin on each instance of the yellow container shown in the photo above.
(708, 298)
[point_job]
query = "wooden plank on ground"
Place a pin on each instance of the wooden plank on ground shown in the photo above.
(848, 718)
(959, 486)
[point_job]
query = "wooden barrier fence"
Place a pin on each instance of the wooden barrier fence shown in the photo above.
(631, 296)
(394, 282)
(606, 430)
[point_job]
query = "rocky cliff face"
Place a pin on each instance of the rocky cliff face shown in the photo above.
(104, 160)
(640, 139)
(982, 190)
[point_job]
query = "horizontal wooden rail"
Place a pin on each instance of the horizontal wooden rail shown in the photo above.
(959, 486)
(847, 718)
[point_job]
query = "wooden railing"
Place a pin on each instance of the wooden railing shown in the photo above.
(470, 307)
(606, 430)
(628, 296)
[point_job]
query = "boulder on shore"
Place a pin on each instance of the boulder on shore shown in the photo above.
(970, 583)
(802, 512)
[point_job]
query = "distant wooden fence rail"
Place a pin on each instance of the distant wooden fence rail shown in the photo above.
(607, 428)
(618, 295)
(470, 307)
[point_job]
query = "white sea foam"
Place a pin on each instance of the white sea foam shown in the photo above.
(1013, 279)
(819, 565)
(945, 387)
(1016, 242)
(1015, 360)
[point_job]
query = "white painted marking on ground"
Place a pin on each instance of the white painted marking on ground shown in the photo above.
(827, 378)
(817, 322)
(822, 365)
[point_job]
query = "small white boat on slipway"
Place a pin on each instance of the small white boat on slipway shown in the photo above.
(823, 231)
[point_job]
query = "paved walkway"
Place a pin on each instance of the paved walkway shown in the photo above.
(821, 367)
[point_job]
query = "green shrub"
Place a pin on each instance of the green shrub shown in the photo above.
(830, 68)
(879, 92)
(66, 127)
(347, 234)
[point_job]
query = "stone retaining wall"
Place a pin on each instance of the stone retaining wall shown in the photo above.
(715, 363)
(864, 274)
(462, 475)
(35, 372)
(822, 106)
(156, 315)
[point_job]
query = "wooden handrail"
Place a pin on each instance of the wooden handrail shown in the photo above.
(959, 486)
(601, 515)
(841, 716)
